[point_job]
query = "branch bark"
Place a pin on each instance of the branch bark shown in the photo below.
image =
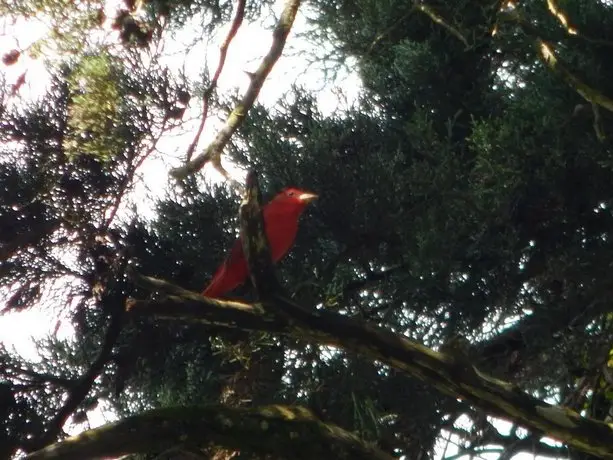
(284, 431)
(213, 152)
(255, 242)
(223, 51)
(444, 371)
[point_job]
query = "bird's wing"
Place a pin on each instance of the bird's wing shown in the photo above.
(232, 273)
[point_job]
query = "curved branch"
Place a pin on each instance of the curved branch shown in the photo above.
(437, 18)
(223, 51)
(213, 152)
(284, 431)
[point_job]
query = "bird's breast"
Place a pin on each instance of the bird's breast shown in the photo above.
(281, 232)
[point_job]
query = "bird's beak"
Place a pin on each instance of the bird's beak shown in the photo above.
(307, 197)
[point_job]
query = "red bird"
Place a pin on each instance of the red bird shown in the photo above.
(281, 216)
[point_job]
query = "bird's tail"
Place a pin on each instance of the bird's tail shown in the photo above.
(215, 287)
(225, 280)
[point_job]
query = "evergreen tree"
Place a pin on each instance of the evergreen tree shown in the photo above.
(465, 204)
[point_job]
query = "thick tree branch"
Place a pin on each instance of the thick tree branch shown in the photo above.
(445, 372)
(213, 152)
(212, 312)
(283, 431)
(255, 243)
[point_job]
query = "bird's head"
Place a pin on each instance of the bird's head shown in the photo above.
(292, 198)
(297, 195)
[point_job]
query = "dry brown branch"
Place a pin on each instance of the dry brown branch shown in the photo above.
(223, 51)
(213, 151)
(561, 16)
(429, 11)
(280, 431)
(546, 54)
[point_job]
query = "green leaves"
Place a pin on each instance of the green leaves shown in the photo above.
(93, 109)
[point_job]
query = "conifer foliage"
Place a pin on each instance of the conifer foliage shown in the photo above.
(453, 272)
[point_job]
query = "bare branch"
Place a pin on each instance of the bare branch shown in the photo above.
(429, 11)
(223, 51)
(129, 178)
(561, 16)
(213, 152)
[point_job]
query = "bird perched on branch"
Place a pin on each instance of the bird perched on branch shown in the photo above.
(281, 217)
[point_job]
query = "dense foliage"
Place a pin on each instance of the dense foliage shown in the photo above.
(467, 192)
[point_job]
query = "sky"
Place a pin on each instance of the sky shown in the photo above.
(252, 42)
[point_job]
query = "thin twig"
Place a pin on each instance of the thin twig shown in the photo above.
(429, 11)
(128, 180)
(546, 54)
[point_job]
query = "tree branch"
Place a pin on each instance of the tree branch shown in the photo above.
(437, 18)
(82, 387)
(283, 431)
(223, 51)
(255, 243)
(449, 375)
(547, 55)
(213, 152)
(194, 307)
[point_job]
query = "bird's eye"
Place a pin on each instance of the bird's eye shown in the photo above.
(291, 193)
